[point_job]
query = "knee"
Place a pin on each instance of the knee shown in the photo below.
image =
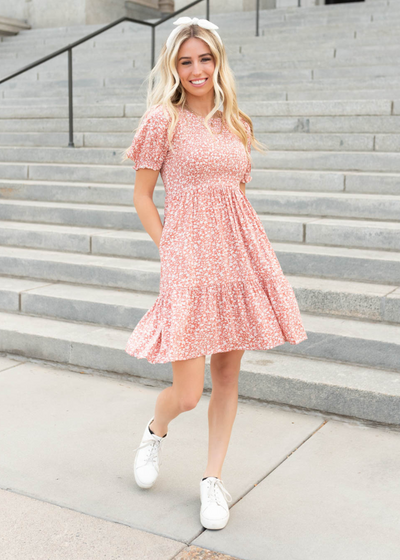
(225, 369)
(226, 378)
(188, 402)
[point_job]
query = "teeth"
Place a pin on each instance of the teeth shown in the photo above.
(199, 81)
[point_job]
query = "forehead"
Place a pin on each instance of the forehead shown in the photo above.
(193, 47)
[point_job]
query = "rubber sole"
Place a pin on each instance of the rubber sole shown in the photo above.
(214, 523)
(139, 482)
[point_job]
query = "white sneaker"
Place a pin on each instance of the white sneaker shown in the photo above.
(214, 511)
(148, 458)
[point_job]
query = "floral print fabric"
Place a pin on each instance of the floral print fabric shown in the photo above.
(221, 285)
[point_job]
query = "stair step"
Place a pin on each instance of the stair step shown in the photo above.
(98, 110)
(129, 260)
(47, 181)
(275, 141)
(346, 205)
(306, 57)
(309, 108)
(361, 265)
(324, 63)
(389, 124)
(119, 217)
(322, 161)
(354, 89)
(122, 308)
(387, 162)
(27, 223)
(345, 340)
(355, 31)
(370, 394)
(92, 199)
(102, 306)
(353, 391)
(93, 269)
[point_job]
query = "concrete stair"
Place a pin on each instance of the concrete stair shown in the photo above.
(77, 269)
(11, 26)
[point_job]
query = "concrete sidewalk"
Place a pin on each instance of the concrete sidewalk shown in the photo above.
(304, 487)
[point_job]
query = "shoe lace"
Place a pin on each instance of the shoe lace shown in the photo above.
(212, 490)
(154, 449)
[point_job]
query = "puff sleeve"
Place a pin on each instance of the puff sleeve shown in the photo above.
(247, 177)
(150, 143)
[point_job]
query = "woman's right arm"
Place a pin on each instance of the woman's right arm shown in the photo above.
(145, 183)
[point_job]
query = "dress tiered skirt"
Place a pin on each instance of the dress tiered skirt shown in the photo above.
(221, 285)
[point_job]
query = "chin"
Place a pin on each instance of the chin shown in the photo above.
(199, 92)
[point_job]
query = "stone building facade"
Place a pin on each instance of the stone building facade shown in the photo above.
(47, 13)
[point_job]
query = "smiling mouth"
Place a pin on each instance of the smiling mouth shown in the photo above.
(198, 82)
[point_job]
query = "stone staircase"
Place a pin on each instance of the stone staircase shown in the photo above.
(12, 26)
(77, 270)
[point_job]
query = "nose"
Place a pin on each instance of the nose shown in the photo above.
(196, 69)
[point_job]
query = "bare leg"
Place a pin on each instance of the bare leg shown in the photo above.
(225, 368)
(184, 393)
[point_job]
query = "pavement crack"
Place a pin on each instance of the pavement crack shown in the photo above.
(280, 463)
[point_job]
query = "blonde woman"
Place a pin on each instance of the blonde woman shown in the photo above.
(222, 290)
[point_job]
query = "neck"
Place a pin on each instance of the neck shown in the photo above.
(201, 105)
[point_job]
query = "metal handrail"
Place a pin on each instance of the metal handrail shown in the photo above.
(69, 48)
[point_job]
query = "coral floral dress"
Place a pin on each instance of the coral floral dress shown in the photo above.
(221, 285)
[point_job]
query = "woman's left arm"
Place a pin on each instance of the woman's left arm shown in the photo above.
(243, 188)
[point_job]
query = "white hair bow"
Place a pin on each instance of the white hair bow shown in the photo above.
(191, 21)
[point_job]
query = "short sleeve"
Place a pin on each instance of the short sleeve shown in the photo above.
(247, 177)
(150, 143)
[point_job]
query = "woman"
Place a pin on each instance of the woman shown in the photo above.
(222, 290)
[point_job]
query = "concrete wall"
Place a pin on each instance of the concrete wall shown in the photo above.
(57, 13)
(294, 3)
(218, 6)
(104, 11)
(45, 13)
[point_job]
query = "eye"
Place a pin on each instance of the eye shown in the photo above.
(202, 60)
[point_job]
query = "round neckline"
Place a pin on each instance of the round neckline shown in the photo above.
(198, 116)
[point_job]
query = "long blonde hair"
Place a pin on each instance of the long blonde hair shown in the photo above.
(164, 87)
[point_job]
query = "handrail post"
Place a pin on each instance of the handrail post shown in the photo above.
(208, 10)
(70, 106)
(153, 45)
(257, 18)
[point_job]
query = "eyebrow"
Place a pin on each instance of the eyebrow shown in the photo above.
(199, 56)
